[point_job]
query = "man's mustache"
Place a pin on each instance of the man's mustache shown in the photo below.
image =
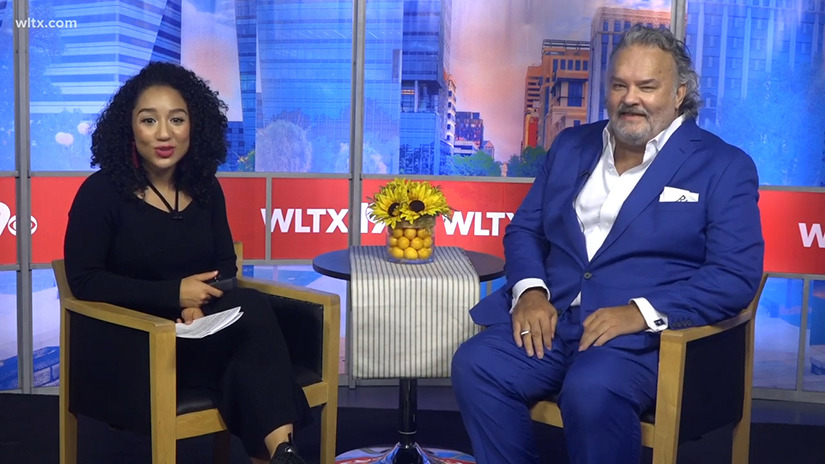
(627, 109)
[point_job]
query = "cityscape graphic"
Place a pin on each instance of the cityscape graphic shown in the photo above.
(447, 90)
(452, 87)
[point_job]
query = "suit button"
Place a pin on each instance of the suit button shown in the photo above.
(587, 275)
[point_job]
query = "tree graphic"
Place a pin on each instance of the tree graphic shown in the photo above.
(527, 163)
(282, 146)
(479, 163)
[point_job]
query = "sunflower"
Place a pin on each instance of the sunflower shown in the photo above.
(425, 200)
(387, 205)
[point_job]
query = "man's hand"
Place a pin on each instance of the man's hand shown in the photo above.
(195, 292)
(608, 323)
(187, 315)
(534, 322)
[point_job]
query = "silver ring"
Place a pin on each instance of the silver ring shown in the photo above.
(524, 332)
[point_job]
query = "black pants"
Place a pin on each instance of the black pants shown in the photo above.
(247, 370)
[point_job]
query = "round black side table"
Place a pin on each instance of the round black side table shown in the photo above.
(336, 264)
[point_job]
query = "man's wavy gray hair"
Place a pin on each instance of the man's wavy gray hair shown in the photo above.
(665, 40)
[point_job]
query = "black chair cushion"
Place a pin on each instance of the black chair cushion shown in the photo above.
(194, 400)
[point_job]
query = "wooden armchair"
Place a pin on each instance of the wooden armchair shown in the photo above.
(705, 377)
(118, 366)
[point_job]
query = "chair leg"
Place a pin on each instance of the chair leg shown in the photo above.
(220, 447)
(665, 448)
(68, 436)
(741, 442)
(329, 421)
(663, 457)
(164, 449)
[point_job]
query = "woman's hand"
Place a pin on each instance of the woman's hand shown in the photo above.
(195, 292)
(187, 315)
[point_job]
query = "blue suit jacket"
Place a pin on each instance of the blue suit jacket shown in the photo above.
(698, 262)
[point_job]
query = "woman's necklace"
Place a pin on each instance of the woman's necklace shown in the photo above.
(176, 214)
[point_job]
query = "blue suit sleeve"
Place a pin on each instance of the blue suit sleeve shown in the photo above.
(525, 244)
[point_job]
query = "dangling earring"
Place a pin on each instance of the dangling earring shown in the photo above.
(135, 161)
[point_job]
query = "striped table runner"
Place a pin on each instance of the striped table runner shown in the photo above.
(408, 319)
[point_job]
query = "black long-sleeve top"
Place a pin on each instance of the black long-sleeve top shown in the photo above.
(124, 251)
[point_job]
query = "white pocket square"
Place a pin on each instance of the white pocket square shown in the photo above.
(677, 195)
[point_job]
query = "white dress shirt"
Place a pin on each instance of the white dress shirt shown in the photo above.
(597, 206)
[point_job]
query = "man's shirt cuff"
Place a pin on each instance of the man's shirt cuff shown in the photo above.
(526, 284)
(656, 321)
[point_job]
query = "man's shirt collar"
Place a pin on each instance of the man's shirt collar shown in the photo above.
(652, 147)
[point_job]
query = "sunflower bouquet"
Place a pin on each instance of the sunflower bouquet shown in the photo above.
(409, 209)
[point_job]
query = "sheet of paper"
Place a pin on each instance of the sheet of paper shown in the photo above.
(208, 325)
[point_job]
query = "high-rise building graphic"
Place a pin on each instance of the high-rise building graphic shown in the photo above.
(469, 134)
(427, 91)
(448, 138)
(304, 82)
(606, 29)
(246, 31)
(737, 45)
(530, 135)
(235, 146)
(469, 126)
(533, 83)
(465, 147)
(760, 65)
(449, 117)
(303, 54)
(383, 65)
(115, 40)
(555, 91)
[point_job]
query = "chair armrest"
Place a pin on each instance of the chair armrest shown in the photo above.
(310, 321)
(294, 292)
(694, 333)
(118, 315)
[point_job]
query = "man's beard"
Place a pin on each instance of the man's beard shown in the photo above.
(625, 132)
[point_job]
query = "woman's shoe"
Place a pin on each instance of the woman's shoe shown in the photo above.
(286, 453)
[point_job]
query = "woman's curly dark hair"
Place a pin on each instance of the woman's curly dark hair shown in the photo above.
(113, 137)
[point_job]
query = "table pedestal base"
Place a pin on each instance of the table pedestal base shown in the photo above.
(404, 455)
(406, 451)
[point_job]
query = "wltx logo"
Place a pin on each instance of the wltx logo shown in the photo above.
(7, 221)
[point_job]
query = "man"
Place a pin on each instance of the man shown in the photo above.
(633, 225)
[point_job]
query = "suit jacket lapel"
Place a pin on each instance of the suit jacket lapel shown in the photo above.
(588, 159)
(658, 174)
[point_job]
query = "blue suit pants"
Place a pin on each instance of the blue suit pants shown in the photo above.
(603, 391)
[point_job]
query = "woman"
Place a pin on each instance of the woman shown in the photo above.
(149, 231)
